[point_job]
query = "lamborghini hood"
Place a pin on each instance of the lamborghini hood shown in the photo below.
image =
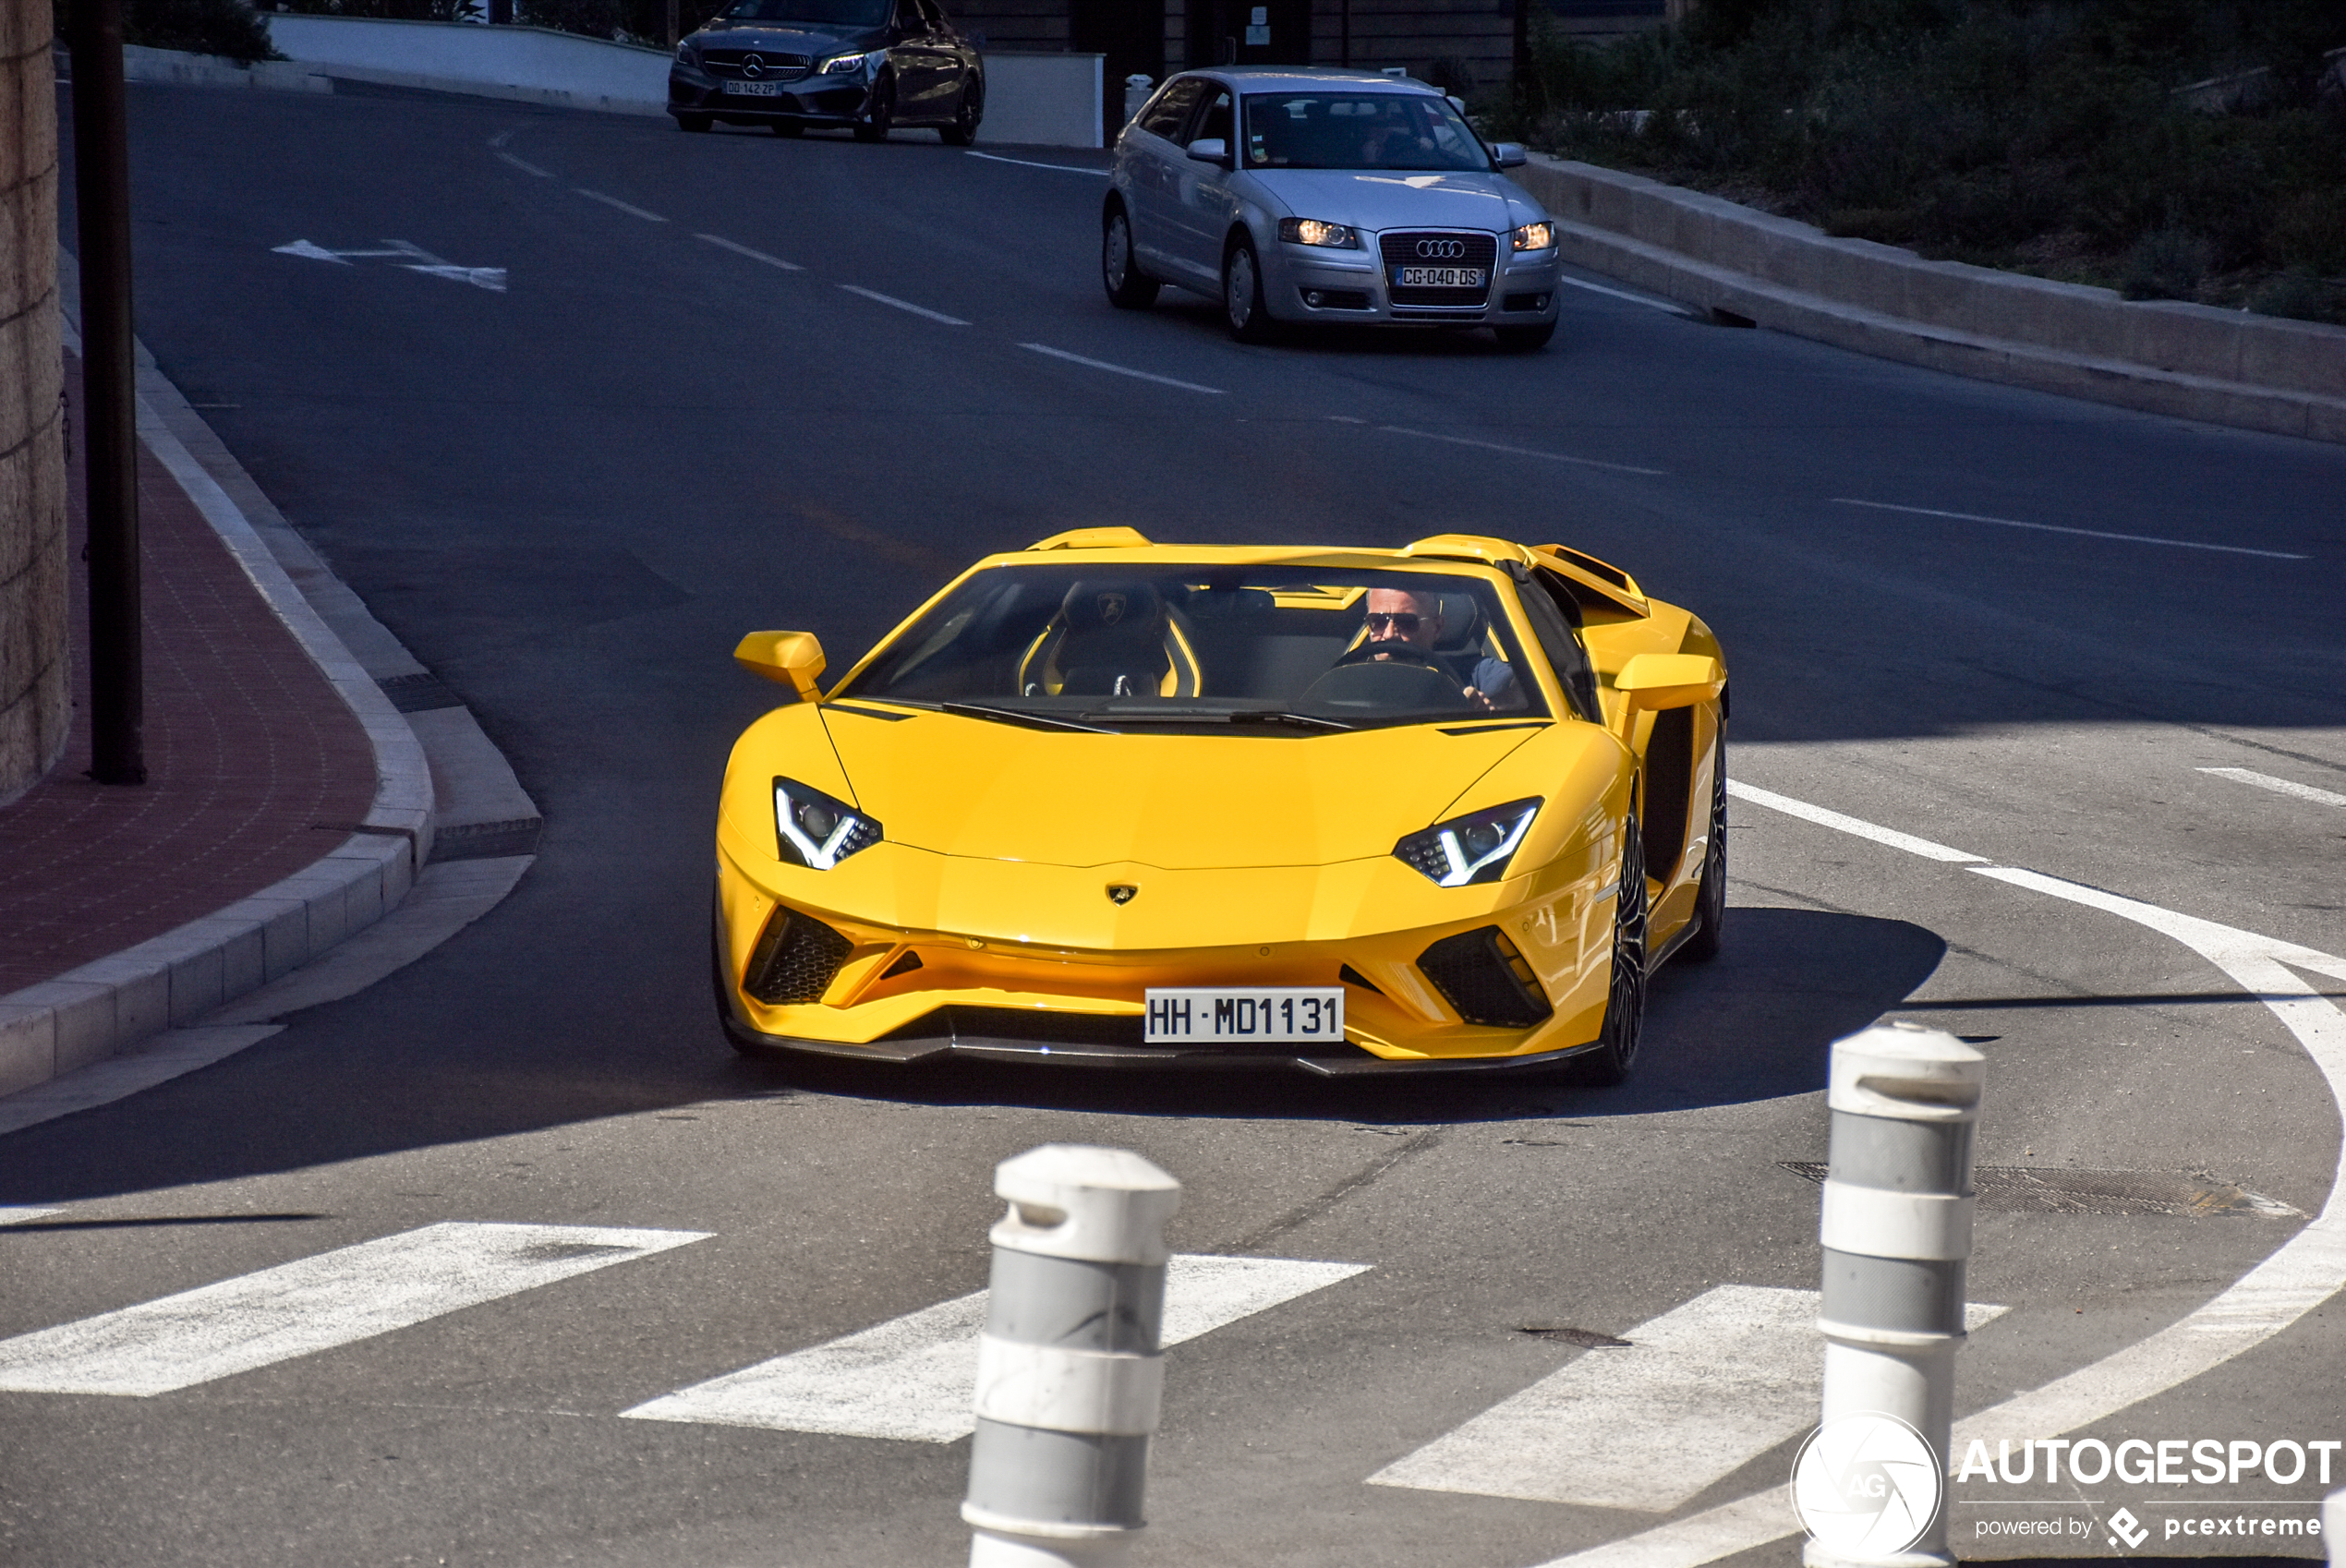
(975, 788)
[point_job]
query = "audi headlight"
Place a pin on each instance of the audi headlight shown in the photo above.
(1473, 848)
(813, 830)
(1311, 231)
(1536, 237)
(839, 65)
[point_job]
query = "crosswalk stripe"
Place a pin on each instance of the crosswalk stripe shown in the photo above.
(913, 1378)
(1698, 1393)
(334, 1299)
(16, 1216)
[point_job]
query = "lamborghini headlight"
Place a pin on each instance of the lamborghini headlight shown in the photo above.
(1314, 231)
(1536, 237)
(1473, 848)
(816, 831)
(840, 65)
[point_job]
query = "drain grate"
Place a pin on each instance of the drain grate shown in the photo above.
(2015, 1190)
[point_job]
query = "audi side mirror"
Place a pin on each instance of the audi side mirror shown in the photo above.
(1509, 155)
(1210, 150)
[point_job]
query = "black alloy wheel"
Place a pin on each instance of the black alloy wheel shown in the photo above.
(695, 122)
(1525, 340)
(1242, 292)
(962, 129)
(1625, 1005)
(882, 114)
(1128, 288)
(790, 127)
(1711, 893)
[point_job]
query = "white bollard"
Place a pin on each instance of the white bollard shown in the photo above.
(2334, 1526)
(1068, 1369)
(1137, 88)
(1896, 1228)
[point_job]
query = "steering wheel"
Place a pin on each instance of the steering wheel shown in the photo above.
(1395, 651)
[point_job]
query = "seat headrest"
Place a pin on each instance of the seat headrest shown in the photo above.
(1107, 605)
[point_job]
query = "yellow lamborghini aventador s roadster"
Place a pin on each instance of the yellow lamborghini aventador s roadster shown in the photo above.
(1110, 802)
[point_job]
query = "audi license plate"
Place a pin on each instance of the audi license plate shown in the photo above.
(1213, 1014)
(1437, 277)
(754, 88)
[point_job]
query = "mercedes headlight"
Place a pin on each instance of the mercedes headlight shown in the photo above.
(1311, 231)
(816, 831)
(685, 51)
(839, 65)
(1536, 237)
(1470, 848)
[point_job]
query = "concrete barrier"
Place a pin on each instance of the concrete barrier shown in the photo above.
(1042, 100)
(2193, 361)
(527, 63)
(210, 70)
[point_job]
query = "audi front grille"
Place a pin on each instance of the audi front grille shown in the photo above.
(1439, 248)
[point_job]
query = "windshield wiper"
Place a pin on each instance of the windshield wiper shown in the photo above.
(1214, 716)
(1013, 716)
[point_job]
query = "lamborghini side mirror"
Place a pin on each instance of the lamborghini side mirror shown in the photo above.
(787, 659)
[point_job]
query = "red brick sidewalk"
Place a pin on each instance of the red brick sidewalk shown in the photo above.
(254, 766)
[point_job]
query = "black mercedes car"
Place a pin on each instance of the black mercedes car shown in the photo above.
(865, 63)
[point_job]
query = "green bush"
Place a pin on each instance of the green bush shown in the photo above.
(229, 29)
(1997, 131)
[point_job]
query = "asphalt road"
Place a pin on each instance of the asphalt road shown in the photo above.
(570, 495)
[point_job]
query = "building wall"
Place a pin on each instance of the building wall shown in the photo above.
(34, 702)
(1474, 38)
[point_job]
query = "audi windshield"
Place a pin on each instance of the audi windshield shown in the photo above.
(1359, 130)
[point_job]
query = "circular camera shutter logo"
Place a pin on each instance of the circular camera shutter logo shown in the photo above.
(1867, 1485)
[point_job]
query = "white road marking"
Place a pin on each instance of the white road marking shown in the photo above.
(2081, 533)
(1520, 451)
(723, 244)
(1030, 164)
(1698, 1393)
(911, 1379)
(1119, 369)
(2278, 786)
(299, 1309)
(1833, 819)
(525, 167)
(1646, 301)
(411, 258)
(502, 137)
(906, 305)
(16, 1216)
(628, 208)
(2304, 1271)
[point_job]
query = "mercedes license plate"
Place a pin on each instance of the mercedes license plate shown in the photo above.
(1437, 277)
(754, 88)
(1216, 1015)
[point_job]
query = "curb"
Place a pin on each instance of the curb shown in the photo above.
(2188, 361)
(173, 66)
(102, 1008)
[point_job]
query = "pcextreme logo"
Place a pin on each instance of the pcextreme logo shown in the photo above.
(1866, 1484)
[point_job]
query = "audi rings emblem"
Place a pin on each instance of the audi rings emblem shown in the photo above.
(1441, 250)
(753, 66)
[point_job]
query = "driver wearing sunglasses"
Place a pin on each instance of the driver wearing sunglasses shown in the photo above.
(1399, 620)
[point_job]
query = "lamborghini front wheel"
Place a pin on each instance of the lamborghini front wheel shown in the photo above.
(1625, 1005)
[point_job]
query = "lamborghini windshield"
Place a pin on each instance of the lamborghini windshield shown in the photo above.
(1271, 648)
(1359, 130)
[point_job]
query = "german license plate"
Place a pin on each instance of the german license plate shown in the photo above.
(1215, 1015)
(1437, 277)
(754, 89)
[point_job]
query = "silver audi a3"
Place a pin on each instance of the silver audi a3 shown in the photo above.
(1298, 195)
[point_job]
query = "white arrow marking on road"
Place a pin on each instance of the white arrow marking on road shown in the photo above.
(913, 1378)
(338, 1297)
(315, 252)
(19, 1216)
(1698, 1393)
(490, 278)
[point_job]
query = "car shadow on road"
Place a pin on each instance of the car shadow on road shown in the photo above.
(1753, 1024)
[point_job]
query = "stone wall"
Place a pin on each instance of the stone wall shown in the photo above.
(35, 701)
